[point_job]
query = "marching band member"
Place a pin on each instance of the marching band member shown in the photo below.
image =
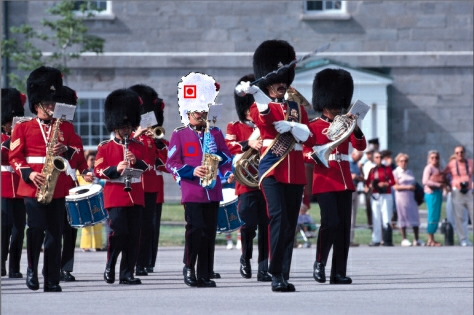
(122, 115)
(29, 152)
(152, 180)
(283, 127)
(251, 204)
(13, 206)
(333, 185)
(188, 143)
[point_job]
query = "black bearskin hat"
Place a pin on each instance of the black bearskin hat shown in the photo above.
(66, 95)
(151, 101)
(122, 108)
(42, 85)
(268, 57)
(243, 103)
(332, 89)
(12, 104)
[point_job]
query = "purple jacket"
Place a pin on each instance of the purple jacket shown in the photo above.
(185, 154)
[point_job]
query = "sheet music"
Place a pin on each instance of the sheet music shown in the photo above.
(132, 172)
(64, 111)
(148, 120)
(359, 109)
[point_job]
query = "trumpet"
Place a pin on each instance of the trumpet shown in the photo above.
(157, 133)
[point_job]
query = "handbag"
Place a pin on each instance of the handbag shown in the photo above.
(419, 194)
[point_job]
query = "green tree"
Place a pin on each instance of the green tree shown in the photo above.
(66, 35)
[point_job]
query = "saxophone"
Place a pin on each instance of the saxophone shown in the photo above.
(53, 166)
(209, 160)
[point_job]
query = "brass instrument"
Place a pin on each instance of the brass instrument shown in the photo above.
(157, 133)
(246, 164)
(293, 95)
(53, 166)
(209, 160)
(341, 128)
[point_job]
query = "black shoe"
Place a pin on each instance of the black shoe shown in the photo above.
(109, 275)
(32, 279)
(189, 277)
(149, 269)
(50, 287)
(205, 283)
(4, 272)
(338, 279)
(245, 268)
(374, 244)
(318, 272)
(140, 271)
(215, 275)
(387, 244)
(264, 276)
(66, 276)
(279, 284)
(130, 280)
(290, 287)
(15, 275)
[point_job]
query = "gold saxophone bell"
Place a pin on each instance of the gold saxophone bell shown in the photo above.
(157, 132)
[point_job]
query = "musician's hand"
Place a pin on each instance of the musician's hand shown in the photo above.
(131, 157)
(121, 166)
(139, 131)
(88, 177)
(245, 88)
(255, 144)
(283, 126)
(231, 178)
(59, 148)
(38, 179)
(200, 171)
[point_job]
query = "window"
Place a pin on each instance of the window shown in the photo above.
(325, 10)
(100, 9)
(89, 119)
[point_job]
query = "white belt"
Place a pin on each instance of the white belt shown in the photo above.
(338, 157)
(159, 173)
(35, 159)
(7, 168)
(297, 146)
(122, 180)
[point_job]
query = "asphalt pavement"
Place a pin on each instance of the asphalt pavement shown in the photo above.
(386, 280)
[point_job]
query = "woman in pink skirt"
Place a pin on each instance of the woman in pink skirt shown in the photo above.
(407, 207)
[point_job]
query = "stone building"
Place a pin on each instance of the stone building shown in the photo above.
(412, 61)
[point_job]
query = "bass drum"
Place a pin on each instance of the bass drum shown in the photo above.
(85, 206)
(228, 218)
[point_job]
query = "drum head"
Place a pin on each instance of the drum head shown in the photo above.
(85, 191)
(229, 196)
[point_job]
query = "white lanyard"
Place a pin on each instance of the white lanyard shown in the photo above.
(42, 131)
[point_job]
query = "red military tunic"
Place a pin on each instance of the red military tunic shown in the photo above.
(10, 179)
(336, 177)
(236, 139)
(28, 147)
(160, 168)
(78, 160)
(109, 154)
(150, 181)
(291, 170)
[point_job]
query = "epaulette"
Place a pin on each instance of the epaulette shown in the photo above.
(180, 128)
(104, 142)
(19, 120)
(137, 141)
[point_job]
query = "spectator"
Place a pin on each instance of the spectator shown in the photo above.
(433, 186)
(405, 200)
(379, 180)
(366, 167)
(387, 160)
(357, 177)
(460, 170)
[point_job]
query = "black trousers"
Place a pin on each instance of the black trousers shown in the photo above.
(124, 238)
(283, 205)
(253, 211)
(156, 234)
(69, 244)
(146, 230)
(13, 232)
(335, 230)
(45, 223)
(200, 236)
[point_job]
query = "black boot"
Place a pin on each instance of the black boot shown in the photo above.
(278, 283)
(109, 275)
(245, 268)
(387, 236)
(189, 277)
(319, 273)
(32, 279)
(140, 271)
(4, 270)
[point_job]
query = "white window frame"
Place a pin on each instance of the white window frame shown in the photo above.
(106, 14)
(325, 14)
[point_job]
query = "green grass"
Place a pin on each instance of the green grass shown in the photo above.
(173, 235)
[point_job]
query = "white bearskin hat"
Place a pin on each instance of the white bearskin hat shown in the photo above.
(196, 91)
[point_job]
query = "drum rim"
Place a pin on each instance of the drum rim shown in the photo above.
(82, 197)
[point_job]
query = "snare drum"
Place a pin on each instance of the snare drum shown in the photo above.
(85, 206)
(228, 218)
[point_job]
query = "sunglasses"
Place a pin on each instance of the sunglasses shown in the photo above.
(459, 152)
(403, 160)
(434, 157)
(377, 157)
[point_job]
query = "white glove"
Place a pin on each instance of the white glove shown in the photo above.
(261, 99)
(300, 132)
(283, 126)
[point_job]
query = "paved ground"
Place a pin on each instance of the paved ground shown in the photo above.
(415, 280)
